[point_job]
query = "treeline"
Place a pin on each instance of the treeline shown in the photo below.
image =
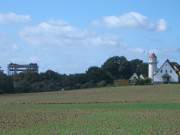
(113, 69)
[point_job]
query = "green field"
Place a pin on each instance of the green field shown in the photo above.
(131, 110)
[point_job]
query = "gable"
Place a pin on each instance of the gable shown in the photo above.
(167, 68)
(134, 76)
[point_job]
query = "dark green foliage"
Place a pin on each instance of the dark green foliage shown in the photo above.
(114, 68)
(144, 82)
(118, 67)
(139, 67)
(96, 75)
(6, 84)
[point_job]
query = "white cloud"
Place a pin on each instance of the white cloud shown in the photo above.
(131, 20)
(7, 18)
(60, 33)
(161, 25)
(137, 50)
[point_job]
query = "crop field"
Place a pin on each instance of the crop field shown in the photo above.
(130, 110)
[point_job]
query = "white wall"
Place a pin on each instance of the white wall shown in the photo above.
(152, 67)
(166, 67)
(150, 74)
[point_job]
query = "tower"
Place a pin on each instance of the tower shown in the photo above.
(152, 65)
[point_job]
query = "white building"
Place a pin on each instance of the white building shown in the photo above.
(134, 78)
(169, 72)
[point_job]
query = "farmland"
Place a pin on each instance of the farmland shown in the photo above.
(130, 110)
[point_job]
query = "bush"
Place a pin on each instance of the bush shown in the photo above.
(89, 84)
(101, 84)
(144, 82)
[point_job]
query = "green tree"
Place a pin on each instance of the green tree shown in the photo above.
(118, 67)
(95, 74)
(6, 84)
(139, 67)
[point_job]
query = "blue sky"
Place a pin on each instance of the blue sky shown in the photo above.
(68, 36)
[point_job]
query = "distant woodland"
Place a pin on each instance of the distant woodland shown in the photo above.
(115, 68)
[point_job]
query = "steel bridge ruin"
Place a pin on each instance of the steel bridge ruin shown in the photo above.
(14, 69)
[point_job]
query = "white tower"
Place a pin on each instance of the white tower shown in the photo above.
(152, 65)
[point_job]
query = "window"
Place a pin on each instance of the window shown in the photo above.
(170, 71)
(161, 70)
(166, 71)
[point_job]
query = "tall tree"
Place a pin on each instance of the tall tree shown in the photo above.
(139, 67)
(96, 74)
(118, 67)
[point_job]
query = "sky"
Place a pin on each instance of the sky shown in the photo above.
(68, 36)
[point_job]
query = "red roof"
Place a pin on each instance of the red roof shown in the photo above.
(152, 55)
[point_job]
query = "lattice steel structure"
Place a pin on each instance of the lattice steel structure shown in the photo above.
(14, 69)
